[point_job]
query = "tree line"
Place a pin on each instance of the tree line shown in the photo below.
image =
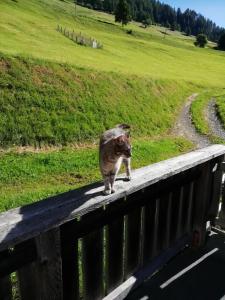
(154, 12)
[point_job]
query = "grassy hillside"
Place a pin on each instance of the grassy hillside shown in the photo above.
(28, 28)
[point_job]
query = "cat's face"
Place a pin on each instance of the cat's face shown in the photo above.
(122, 146)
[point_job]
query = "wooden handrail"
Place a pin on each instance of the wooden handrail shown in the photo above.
(20, 224)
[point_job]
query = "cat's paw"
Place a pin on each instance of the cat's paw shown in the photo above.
(107, 192)
(128, 178)
(113, 191)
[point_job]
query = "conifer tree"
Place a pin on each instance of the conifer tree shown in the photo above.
(122, 13)
(221, 42)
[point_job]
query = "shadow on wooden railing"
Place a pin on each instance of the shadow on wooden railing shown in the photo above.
(84, 245)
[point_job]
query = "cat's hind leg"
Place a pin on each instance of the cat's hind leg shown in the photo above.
(114, 173)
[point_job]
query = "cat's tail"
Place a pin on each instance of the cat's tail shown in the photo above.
(123, 126)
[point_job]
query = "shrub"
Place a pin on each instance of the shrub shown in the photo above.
(201, 40)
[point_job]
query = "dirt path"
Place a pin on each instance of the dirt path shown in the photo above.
(185, 128)
(214, 123)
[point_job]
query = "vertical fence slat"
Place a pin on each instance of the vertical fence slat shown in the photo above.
(221, 219)
(174, 216)
(189, 216)
(151, 212)
(167, 222)
(5, 282)
(164, 221)
(114, 251)
(180, 213)
(5, 288)
(202, 194)
(69, 252)
(92, 256)
(216, 191)
(132, 238)
(42, 279)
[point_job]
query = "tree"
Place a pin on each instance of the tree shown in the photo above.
(122, 13)
(201, 40)
(147, 22)
(221, 42)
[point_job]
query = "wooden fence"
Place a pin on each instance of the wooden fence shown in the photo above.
(82, 244)
(79, 39)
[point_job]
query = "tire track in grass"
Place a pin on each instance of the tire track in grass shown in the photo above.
(213, 120)
(185, 128)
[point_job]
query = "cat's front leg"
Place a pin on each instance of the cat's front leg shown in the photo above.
(127, 163)
(107, 190)
(112, 181)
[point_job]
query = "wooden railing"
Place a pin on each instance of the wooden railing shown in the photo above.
(82, 244)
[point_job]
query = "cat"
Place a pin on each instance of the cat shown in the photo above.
(114, 149)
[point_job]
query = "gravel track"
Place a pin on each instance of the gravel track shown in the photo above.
(213, 120)
(185, 128)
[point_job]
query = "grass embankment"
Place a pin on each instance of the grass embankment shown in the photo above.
(50, 104)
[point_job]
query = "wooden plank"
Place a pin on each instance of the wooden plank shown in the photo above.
(179, 231)
(134, 281)
(164, 226)
(174, 216)
(216, 192)
(132, 238)
(5, 282)
(92, 263)
(151, 217)
(221, 219)
(5, 288)
(114, 250)
(189, 215)
(202, 192)
(17, 257)
(70, 265)
(24, 223)
(43, 279)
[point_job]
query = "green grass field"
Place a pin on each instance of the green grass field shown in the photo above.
(32, 32)
(27, 177)
(56, 93)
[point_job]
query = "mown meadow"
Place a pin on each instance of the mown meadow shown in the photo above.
(56, 97)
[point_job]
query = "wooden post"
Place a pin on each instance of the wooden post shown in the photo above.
(114, 249)
(5, 288)
(216, 190)
(92, 262)
(43, 279)
(70, 268)
(221, 219)
(5, 283)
